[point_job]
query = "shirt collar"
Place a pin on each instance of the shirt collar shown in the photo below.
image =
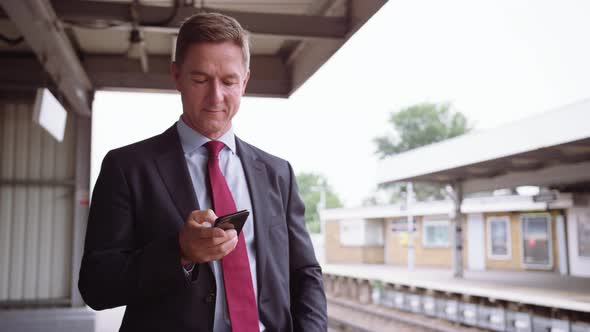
(191, 140)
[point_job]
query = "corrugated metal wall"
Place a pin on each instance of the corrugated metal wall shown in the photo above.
(36, 209)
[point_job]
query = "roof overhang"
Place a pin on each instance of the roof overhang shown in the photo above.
(551, 149)
(472, 205)
(77, 47)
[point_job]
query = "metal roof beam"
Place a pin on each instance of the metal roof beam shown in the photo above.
(269, 77)
(286, 25)
(43, 32)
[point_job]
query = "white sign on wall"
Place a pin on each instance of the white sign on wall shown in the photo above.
(352, 232)
(360, 232)
(50, 114)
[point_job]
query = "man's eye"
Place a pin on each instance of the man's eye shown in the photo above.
(201, 81)
(230, 82)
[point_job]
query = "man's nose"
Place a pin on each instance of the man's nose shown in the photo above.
(215, 92)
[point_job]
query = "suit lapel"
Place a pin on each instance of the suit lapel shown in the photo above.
(174, 172)
(258, 185)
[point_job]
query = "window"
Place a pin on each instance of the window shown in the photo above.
(359, 232)
(536, 241)
(374, 233)
(499, 246)
(436, 233)
(352, 232)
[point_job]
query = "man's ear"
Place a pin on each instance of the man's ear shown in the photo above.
(246, 78)
(175, 73)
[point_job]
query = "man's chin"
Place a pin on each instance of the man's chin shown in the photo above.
(214, 132)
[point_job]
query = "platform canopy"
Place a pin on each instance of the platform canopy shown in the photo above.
(81, 46)
(551, 149)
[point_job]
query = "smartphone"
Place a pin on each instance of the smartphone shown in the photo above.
(234, 220)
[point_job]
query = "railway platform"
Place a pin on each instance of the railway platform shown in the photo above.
(492, 300)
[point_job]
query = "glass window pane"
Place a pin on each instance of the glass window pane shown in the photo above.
(536, 240)
(499, 234)
(352, 232)
(374, 233)
(436, 233)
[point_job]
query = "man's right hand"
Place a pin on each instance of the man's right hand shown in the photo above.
(200, 243)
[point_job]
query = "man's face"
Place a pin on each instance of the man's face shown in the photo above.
(211, 82)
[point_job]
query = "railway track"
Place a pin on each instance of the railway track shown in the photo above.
(349, 316)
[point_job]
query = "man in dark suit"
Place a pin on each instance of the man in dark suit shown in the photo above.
(150, 244)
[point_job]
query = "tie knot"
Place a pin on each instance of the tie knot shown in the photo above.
(214, 147)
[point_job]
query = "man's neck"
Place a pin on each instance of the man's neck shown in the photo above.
(214, 136)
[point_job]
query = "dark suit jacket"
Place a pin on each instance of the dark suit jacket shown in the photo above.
(141, 199)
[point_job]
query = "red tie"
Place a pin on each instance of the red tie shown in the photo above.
(239, 291)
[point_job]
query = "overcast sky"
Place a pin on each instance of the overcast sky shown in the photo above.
(495, 61)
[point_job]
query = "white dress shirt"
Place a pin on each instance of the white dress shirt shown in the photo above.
(196, 156)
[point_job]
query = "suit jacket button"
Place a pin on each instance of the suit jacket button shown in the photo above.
(210, 298)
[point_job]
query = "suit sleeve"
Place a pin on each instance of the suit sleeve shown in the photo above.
(114, 271)
(308, 300)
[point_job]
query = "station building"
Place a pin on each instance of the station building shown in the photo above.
(548, 232)
(502, 233)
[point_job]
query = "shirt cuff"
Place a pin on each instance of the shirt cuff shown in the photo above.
(188, 270)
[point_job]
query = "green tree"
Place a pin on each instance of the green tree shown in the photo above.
(311, 186)
(416, 126)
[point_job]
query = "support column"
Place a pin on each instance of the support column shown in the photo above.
(323, 236)
(326, 282)
(332, 285)
(365, 292)
(352, 287)
(339, 286)
(410, 198)
(457, 229)
(81, 199)
(562, 245)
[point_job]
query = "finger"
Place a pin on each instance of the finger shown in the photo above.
(231, 233)
(216, 241)
(201, 216)
(222, 249)
(192, 222)
(193, 219)
(202, 224)
(227, 246)
(210, 215)
(209, 232)
(195, 224)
